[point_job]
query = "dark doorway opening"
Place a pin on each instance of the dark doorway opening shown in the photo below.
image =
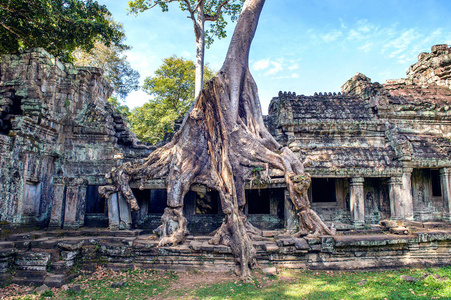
(208, 203)
(9, 111)
(158, 199)
(94, 203)
(258, 201)
(96, 208)
(323, 190)
(436, 185)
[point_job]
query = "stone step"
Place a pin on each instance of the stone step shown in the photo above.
(6, 245)
(27, 277)
(57, 280)
(22, 244)
(32, 261)
(432, 225)
(49, 279)
(61, 267)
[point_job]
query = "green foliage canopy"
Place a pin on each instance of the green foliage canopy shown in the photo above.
(118, 107)
(118, 71)
(214, 11)
(59, 26)
(172, 89)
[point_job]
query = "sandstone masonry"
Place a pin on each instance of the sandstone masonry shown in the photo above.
(58, 137)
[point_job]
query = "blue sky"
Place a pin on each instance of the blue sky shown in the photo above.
(303, 46)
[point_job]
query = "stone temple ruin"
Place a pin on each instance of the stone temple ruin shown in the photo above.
(379, 156)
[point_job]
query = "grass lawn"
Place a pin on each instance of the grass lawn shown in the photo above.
(433, 283)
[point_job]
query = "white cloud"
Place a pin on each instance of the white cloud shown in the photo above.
(355, 35)
(275, 68)
(261, 64)
(331, 36)
(404, 45)
(139, 60)
(365, 26)
(366, 47)
(342, 24)
(136, 98)
(363, 29)
(294, 66)
(187, 54)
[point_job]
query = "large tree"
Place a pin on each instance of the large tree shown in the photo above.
(112, 59)
(199, 11)
(220, 144)
(172, 89)
(59, 26)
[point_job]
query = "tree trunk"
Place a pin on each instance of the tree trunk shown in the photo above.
(199, 31)
(220, 144)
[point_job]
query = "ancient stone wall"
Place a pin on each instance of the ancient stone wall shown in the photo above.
(52, 258)
(375, 145)
(433, 67)
(58, 134)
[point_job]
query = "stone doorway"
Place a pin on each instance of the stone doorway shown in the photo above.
(427, 195)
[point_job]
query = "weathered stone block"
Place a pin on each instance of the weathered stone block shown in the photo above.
(271, 247)
(69, 255)
(34, 261)
(301, 244)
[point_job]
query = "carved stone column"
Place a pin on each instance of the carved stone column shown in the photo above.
(289, 213)
(407, 198)
(395, 194)
(119, 213)
(124, 213)
(357, 201)
(75, 208)
(445, 181)
(59, 199)
(113, 212)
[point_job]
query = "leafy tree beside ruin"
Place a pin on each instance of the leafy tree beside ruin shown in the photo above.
(59, 26)
(112, 60)
(199, 11)
(172, 89)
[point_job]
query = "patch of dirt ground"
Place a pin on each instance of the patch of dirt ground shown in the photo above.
(189, 281)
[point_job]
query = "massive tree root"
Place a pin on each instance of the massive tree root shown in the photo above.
(220, 144)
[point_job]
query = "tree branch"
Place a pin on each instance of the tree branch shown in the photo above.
(22, 13)
(158, 2)
(18, 34)
(191, 11)
(217, 13)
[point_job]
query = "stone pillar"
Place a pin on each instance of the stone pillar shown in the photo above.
(395, 194)
(59, 197)
(445, 182)
(113, 212)
(125, 215)
(357, 201)
(401, 200)
(407, 198)
(290, 216)
(75, 208)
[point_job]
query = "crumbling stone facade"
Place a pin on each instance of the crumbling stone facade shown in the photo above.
(58, 138)
(375, 151)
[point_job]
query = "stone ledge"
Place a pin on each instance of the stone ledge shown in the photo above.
(53, 265)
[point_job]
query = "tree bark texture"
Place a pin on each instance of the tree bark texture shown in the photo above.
(220, 144)
(199, 32)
